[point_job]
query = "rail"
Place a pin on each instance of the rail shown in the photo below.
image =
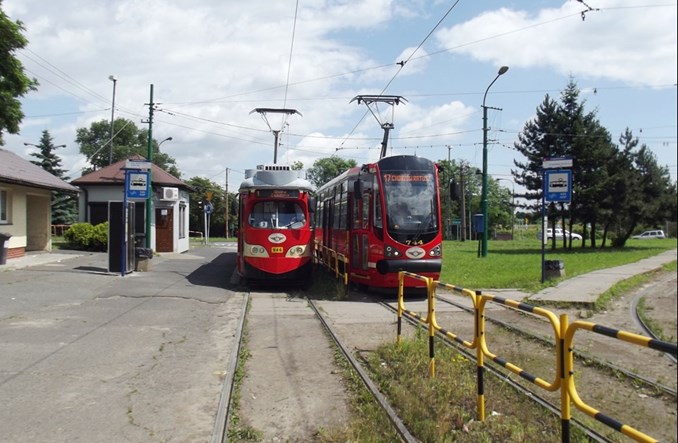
(563, 335)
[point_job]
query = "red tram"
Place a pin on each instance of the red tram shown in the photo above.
(274, 225)
(383, 218)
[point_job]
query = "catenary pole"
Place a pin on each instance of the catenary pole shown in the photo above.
(149, 157)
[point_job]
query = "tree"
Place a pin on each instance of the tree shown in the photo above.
(325, 169)
(196, 217)
(128, 140)
(565, 130)
(64, 204)
(14, 83)
(643, 192)
(619, 189)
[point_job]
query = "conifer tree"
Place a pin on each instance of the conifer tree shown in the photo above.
(64, 204)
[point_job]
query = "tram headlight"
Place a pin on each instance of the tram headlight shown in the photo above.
(257, 251)
(296, 251)
(436, 251)
(391, 252)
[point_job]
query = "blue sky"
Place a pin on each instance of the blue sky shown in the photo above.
(212, 62)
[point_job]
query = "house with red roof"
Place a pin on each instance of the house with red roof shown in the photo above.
(26, 205)
(169, 209)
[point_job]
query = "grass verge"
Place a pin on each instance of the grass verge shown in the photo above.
(442, 409)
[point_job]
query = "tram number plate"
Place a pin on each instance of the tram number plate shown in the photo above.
(277, 249)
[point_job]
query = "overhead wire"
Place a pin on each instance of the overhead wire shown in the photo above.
(402, 66)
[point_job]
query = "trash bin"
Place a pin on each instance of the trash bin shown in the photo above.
(554, 268)
(4, 247)
(143, 257)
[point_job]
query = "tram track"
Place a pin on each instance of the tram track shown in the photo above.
(612, 368)
(327, 319)
(225, 414)
(637, 399)
(495, 371)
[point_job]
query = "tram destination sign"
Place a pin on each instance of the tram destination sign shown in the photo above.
(279, 193)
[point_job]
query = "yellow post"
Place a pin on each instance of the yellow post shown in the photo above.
(480, 363)
(431, 329)
(564, 362)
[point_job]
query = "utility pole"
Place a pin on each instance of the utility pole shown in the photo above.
(462, 193)
(226, 205)
(149, 199)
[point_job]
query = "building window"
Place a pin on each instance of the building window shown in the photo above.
(182, 220)
(4, 206)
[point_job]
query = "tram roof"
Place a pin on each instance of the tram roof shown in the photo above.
(278, 178)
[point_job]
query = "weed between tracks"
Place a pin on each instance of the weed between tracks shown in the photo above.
(442, 409)
(237, 432)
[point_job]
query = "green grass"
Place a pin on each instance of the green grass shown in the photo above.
(517, 264)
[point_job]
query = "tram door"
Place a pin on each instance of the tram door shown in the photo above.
(328, 218)
(360, 217)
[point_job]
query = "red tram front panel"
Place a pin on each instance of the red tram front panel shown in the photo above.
(280, 251)
(275, 231)
(385, 217)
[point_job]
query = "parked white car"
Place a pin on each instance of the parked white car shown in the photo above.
(651, 234)
(559, 234)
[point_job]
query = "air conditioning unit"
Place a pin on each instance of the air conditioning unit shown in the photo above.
(170, 194)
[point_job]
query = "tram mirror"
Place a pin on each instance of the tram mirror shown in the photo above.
(358, 188)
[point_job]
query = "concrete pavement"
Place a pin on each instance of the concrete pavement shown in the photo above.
(89, 355)
(586, 288)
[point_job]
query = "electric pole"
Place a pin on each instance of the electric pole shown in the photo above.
(226, 205)
(149, 199)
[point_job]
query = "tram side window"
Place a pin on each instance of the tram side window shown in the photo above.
(366, 210)
(343, 207)
(378, 223)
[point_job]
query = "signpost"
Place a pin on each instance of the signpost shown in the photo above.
(557, 183)
(137, 186)
(208, 209)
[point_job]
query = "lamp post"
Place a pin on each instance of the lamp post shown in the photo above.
(513, 205)
(502, 71)
(110, 142)
(168, 139)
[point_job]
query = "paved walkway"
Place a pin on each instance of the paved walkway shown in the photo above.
(586, 288)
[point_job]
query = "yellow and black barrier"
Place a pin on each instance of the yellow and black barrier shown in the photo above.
(563, 334)
(331, 259)
(571, 387)
(427, 321)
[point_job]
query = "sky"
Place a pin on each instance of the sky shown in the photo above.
(211, 63)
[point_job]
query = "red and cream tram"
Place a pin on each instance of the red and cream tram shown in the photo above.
(382, 218)
(274, 232)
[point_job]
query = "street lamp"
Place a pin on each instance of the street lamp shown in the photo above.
(513, 205)
(502, 71)
(168, 139)
(110, 143)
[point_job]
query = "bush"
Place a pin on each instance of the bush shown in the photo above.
(84, 236)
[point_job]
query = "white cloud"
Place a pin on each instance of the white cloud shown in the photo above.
(637, 48)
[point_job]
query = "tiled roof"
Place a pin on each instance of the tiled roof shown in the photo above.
(115, 174)
(16, 170)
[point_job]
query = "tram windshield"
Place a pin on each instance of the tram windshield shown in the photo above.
(411, 205)
(277, 214)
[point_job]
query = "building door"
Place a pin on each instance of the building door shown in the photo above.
(164, 229)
